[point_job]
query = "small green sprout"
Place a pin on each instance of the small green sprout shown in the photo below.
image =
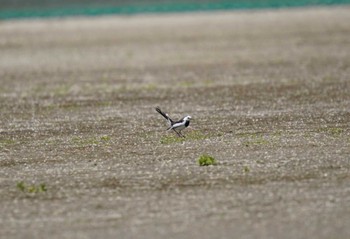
(21, 186)
(246, 169)
(42, 187)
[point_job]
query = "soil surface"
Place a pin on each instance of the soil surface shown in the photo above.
(83, 153)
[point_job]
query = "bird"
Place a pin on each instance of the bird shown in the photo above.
(177, 126)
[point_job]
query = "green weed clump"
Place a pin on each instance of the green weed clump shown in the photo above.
(206, 160)
(31, 189)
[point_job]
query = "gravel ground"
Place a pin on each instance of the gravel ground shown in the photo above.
(83, 153)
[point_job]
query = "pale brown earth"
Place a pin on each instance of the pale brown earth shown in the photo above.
(269, 95)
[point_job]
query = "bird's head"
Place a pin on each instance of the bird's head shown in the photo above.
(187, 118)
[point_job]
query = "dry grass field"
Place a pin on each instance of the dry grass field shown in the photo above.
(83, 153)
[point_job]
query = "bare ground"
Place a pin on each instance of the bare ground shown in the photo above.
(269, 94)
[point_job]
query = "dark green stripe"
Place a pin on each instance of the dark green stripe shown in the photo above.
(135, 7)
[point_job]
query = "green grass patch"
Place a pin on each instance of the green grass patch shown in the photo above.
(206, 160)
(61, 90)
(70, 106)
(333, 131)
(80, 141)
(105, 138)
(6, 142)
(260, 138)
(249, 134)
(256, 140)
(149, 87)
(185, 84)
(190, 136)
(171, 139)
(32, 188)
(277, 133)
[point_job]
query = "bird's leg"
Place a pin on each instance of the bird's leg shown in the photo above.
(177, 133)
(182, 134)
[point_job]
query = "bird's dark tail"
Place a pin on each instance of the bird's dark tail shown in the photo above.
(164, 115)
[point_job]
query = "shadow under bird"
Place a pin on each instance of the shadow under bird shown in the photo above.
(177, 126)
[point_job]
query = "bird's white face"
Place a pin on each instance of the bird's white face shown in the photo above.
(187, 118)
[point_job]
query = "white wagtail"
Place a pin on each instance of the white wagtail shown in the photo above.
(177, 126)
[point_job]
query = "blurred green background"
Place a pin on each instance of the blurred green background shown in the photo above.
(59, 8)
